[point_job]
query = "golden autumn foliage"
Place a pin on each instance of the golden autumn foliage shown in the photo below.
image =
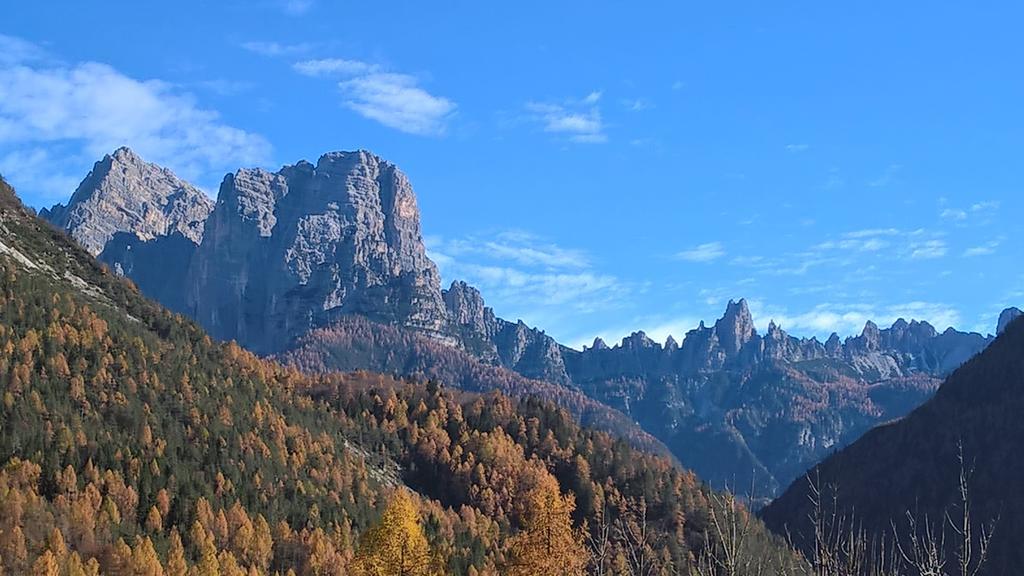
(396, 546)
(131, 443)
(547, 542)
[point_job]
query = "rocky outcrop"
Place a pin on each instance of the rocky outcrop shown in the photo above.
(1008, 315)
(293, 250)
(124, 193)
(513, 345)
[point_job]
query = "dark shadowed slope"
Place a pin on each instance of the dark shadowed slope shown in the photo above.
(912, 464)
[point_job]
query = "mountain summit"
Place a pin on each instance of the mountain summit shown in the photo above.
(124, 193)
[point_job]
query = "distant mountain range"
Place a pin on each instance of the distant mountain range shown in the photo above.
(285, 262)
(913, 465)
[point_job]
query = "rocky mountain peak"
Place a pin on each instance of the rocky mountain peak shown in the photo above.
(870, 337)
(290, 250)
(124, 193)
(638, 341)
(1006, 317)
(599, 344)
(466, 307)
(736, 327)
(671, 344)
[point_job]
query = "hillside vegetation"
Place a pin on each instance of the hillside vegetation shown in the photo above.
(131, 443)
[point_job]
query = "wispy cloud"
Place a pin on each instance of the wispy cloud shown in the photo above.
(524, 276)
(978, 213)
(333, 66)
(637, 104)
(578, 120)
(917, 244)
(518, 247)
(703, 253)
(89, 109)
(887, 177)
(296, 7)
(982, 250)
(14, 50)
(928, 249)
(797, 148)
(275, 48)
(953, 214)
(849, 318)
(392, 99)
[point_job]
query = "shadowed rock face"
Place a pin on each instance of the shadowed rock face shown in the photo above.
(123, 193)
(1008, 315)
(913, 464)
(292, 250)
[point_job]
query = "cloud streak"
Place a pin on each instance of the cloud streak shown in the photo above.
(708, 252)
(389, 98)
(578, 121)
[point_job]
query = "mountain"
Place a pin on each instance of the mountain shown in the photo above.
(290, 260)
(1007, 316)
(913, 464)
(742, 409)
(133, 443)
(123, 193)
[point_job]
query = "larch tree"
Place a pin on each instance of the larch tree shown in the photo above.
(396, 546)
(548, 543)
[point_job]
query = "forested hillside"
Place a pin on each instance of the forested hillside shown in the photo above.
(131, 443)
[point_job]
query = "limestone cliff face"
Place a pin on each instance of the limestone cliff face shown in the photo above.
(289, 251)
(512, 345)
(124, 193)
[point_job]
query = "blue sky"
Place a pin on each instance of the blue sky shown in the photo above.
(594, 168)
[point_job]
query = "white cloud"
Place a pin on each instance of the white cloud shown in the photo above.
(329, 66)
(518, 247)
(392, 99)
(849, 318)
(703, 253)
(15, 50)
(872, 232)
(982, 250)
(89, 109)
(524, 276)
(637, 104)
(275, 48)
(396, 101)
(797, 148)
(953, 214)
(579, 121)
(928, 249)
(977, 213)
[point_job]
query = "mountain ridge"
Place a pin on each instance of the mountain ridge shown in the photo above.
(912, 465)
(291, 252)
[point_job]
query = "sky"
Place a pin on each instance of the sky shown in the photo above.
(594, 168)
